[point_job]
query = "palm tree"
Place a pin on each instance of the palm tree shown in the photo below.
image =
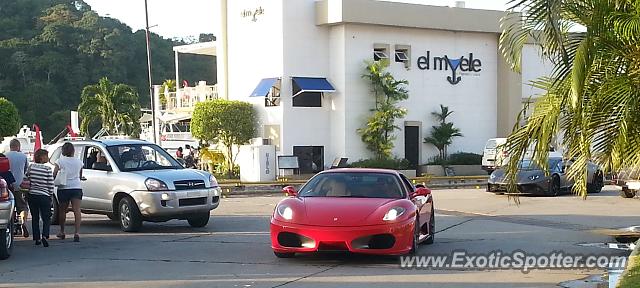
(442, 136)
(592, 97)
(114, 106)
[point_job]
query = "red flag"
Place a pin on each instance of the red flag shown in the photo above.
(71, 132)
(38, 145)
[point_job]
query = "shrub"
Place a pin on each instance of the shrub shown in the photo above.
(390, 163)
(459, 158)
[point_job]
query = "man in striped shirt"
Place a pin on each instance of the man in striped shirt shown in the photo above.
(41, 180)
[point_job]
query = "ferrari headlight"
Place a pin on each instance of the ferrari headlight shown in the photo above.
(285, 211)
(534, 177)
(394, 213)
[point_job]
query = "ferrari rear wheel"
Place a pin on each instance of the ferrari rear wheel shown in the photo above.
(416, 238)
(284, 254)
(432, 230)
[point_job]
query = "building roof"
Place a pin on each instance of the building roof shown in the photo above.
(203, 48)
(336, 12)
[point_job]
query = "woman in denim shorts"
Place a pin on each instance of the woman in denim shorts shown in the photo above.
(71, 191)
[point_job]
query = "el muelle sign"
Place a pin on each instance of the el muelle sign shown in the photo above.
(465, 64)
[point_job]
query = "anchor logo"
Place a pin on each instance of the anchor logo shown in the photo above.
(454, 64)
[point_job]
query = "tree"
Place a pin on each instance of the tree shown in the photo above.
(378, 133)
(592, 96)
(230, 123)
(9, 118)
(115, 106)
(167, 86)
(442, 136)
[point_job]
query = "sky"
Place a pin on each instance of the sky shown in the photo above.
(184, 18)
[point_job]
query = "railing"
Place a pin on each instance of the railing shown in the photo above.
(186, 98)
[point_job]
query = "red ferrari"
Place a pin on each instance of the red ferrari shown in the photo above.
(371, 211)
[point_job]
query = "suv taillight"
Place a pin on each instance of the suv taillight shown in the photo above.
(4, 194)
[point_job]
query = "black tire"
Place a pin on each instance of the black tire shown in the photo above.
(284, 254)
(626, 193)
(55, 210)
(6, 240)
(598, 183)
(199, 221)
(626, 239)
(416, 238)
(554, 186)
(129, 215)
(432, 230)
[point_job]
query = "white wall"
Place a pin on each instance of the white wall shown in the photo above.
(533, 67)
(306, 50)
(255, 52)
(473, 100)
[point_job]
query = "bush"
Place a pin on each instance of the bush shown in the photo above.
(460, 158)
(395, 164)
(9, 118)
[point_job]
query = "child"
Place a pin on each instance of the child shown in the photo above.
(41, 179)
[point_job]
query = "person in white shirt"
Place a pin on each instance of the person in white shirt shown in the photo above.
(71, 167)
(18, 164)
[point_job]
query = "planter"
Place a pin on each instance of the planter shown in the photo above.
(459, 170)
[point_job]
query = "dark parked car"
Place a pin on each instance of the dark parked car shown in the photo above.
(531, 179)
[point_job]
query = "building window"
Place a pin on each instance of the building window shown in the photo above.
(379, 54)
(273, 98)
(308, 99)
(403, 55)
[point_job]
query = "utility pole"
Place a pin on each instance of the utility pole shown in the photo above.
(153, 111)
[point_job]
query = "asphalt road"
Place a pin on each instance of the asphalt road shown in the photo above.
(233, 250)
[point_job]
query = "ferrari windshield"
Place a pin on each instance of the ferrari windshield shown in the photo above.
(353, 184)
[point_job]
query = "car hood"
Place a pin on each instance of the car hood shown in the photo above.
(170, 175)
(523, 176)
(335, 211)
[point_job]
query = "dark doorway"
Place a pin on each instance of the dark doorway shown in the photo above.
(411, 145)
(310, 158)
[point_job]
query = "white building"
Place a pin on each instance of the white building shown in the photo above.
(300, 62)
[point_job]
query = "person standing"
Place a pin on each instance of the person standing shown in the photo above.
(40, 190)
(18, 164)
(71, 191)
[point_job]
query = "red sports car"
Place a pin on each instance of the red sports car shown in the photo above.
(371, 211)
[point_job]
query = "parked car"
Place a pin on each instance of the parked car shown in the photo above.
(133, 181)
(531, 179)
(7, 206)
(628, 181)
(493, 156)
(371, 211)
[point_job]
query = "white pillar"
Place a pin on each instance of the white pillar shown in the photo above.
(156, 109)
(177, 72)
(221, 53)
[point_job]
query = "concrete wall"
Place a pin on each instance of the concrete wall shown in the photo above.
(255, 50)
(473, 100)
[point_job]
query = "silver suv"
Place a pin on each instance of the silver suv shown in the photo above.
(132, 181)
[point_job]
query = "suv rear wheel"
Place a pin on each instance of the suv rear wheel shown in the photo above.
(130, 218)
(199, 221)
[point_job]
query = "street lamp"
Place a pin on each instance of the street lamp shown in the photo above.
(153, 110)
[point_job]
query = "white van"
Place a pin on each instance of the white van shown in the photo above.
(493, 155)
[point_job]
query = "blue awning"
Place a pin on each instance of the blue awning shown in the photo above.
(264, 87)
(309, 84)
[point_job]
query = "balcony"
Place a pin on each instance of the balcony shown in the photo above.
(186, 98)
